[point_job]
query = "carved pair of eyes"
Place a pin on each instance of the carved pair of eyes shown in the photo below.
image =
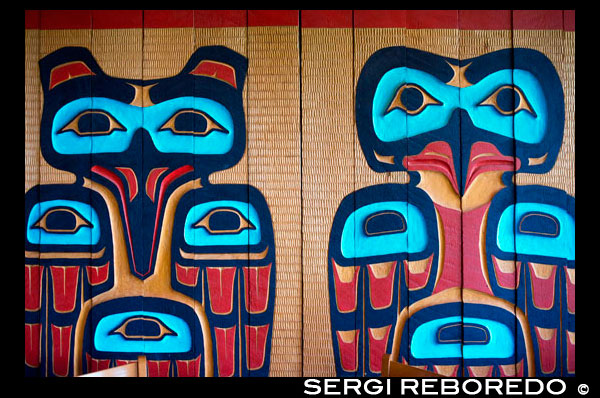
(507, 99)
(95, 122)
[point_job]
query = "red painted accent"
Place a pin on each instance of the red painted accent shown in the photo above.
(168, 19)
(345, 293)
(326, 18)
(432, 19)
(537, 19)
(187, 275)
(518, 370)
(68, 71)
(158, 368)
(95, 365)
(547, 352)
(272, 17)
(485, 19)
(452, 268)
(481, 164)
(256, 286)
(436, 156)
(216, 70)
(152, 179)
(472, 269)
(225, 343)
(569, 20)
(570, 293)
(379, 18)
(188, 368)
(131, 180)
(507, 280)
(416, 281)
(542, 290)
(32, 19)
(66, 19)
(220, 289)
(64, 287)
(570, 355)
(33, 287)
(219, 18)
(97, 274)
(61, 349)
(117, 19)
(256, 344)
(175, 174)
(472, 373)
(112, 177)
(33, 337)
(452, 374)
(381, 289)
(121, 362)
(348, 352)
(377, 349)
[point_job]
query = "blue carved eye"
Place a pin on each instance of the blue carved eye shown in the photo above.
(542, 224)
(508, 100)
(385, 222)
(412, 99)
(63, 222)
(92, 122)
(192, 122)
(224, 221)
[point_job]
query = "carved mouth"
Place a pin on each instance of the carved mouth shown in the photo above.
(436, 156)
(486, 157)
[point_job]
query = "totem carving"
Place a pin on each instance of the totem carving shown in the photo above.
(459, 271)
(142, 255)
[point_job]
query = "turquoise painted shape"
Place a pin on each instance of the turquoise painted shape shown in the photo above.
(151, 118)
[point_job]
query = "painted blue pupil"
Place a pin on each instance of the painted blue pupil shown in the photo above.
(411, 98)
(190, 121)
(507, 100)
(93, 122)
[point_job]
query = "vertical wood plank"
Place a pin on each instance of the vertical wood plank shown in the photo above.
(328, 137)
(273, 120)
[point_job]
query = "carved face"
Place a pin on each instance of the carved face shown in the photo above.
(421, 112)
(177, 269)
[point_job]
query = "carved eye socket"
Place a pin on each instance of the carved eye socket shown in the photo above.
(143, 327)
(61, 220)
(412, 99)
(93, 122)
(508, 100)
(192, 122)
(224, 221)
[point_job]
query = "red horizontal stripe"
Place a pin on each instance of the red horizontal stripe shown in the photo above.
(485, 19)
(272, 17)
(326, 18)
(168, 18)
(537, 19)
(380, 18)
(219, 18)
(66, 19)
(412, 19)
(569, 20)
(117, 19)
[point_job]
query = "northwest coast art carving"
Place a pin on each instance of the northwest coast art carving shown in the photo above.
(142, 255)
(459, 271)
